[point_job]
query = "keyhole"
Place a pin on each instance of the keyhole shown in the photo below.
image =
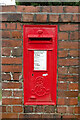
(32, 74)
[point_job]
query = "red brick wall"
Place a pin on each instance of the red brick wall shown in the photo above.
(13, 19)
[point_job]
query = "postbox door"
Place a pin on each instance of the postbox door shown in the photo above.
(41, 83)
(40, 64)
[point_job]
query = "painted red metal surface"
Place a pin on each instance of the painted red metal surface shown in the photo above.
(40, 42)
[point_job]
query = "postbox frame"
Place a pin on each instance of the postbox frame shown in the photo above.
(24, 62)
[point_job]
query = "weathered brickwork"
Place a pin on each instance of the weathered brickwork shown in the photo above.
(67, 19)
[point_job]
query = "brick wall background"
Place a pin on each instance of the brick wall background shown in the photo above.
(67, 19)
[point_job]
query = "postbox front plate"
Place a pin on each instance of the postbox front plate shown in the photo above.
(40, 64)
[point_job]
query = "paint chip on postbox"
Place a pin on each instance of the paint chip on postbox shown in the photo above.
(40, 60)
(45, 74)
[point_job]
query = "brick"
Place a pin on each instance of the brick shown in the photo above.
(2, 26)
(73, 86)
(28, 109)
(19, 26)
(12, 101)
(65, 18)
(74, 36)
(8, 108)
(0, 11)
(50, 116)
(53, 18)
(16, 34)
(71, 9)
(8, 8)
(11, 85)
(10, 26)
(73, 70)
(6, 93)
(28, 9)
(61, 101)
(68, 27)
(12, 60)
(26, 116)
(49, 109)
(63, 53)
(17, 51)
(3, 108)
(61, 77)
(9, 115)
(6, 34)
(46, 9)
(62, 36)
(6, 51)
(62, 70)
(4, 17)
(39, 108)
(67, 93)
(1, 18)
(0, 109)
(41, 18)
(77, 110)
(0, 115)
(61, 109)
(77, 116)
(73, 101)
(58, 9)
(70, 110)
(17, 109)
(69, 116)
(28, 17)
(67, 62)
(74, 53)
(17, 76)
(68, 45)
(62, 86)
(72, 78)
(67, 101)
(75, 18)
(11, 17)
(6, 77)
(11, 68)
(78, 17)
(14, 17)
(17, 93)
(11, 43)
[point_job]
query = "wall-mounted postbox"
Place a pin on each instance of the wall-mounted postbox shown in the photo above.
(40, 64)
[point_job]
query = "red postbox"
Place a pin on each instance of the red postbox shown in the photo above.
(40, 64)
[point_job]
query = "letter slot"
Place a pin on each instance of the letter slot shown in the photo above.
(40, 40)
